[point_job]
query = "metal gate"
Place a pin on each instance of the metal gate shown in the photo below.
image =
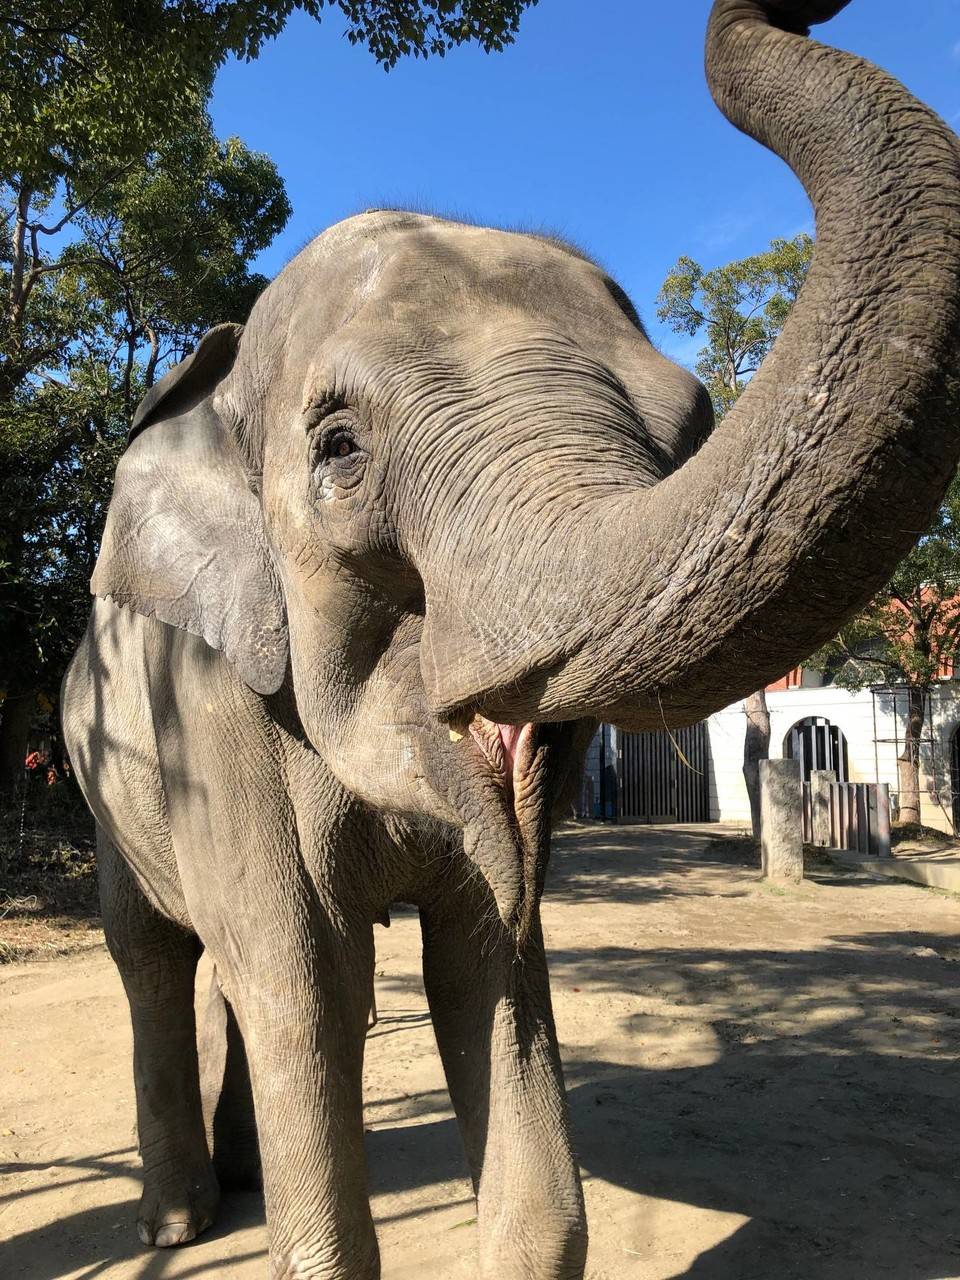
(664, 777)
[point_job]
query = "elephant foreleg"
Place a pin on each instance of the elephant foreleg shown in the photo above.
(301, 997)
(157, 962)
(494, 1025)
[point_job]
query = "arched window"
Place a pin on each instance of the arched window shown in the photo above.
(817, 744)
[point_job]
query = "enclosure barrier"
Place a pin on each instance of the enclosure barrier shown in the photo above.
(846, 815)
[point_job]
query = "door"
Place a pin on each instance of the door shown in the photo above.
(664, 777)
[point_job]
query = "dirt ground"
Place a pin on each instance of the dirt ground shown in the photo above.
(764, 1084)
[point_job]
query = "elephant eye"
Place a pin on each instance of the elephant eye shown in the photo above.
(336, 458)
(342, 445)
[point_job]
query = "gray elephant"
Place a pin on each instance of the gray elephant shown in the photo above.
(374, 567)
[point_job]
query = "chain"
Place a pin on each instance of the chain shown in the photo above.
(23, 818)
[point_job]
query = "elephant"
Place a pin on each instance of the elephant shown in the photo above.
(375, 566)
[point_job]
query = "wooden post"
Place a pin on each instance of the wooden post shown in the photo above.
(781, 819)
(863, 822)
(883, 820)
(870, 798)
(820, 789)
(844, 841)
(836, 824)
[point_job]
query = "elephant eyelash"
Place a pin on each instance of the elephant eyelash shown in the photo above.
(326, 444)
(326, 420)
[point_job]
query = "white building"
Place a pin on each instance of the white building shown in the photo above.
(697, 773)
(871, 725)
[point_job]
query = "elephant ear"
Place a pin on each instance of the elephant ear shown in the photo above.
(184, 539)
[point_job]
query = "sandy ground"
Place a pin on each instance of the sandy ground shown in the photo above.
(764, 1084)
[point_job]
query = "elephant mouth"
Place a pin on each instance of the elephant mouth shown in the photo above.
(518, 770)
(505, 747)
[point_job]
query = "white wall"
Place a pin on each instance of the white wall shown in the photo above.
(871, 748)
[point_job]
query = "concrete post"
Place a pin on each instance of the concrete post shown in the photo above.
(781, 820)
(820, 807)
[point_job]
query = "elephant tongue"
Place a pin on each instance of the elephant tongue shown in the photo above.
(510, 737)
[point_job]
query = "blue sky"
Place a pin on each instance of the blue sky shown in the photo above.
(598, 127)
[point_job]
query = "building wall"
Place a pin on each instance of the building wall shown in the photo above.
(873, 729)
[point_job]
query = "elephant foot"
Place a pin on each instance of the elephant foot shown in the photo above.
(309, 1264)
(176, 1208)
(555, 1254)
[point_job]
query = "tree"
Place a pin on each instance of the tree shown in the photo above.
(162, 253)
(105, 78)
(740, 308)
(165, 246)
(908, 635)
(86, 90)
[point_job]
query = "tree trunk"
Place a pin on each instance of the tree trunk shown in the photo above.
(756, 747)
(908, 764)
(16, 714)
(18, 256)
(151, 369)
(128, 376)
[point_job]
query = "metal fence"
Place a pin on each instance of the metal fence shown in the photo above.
(664, 777)
(647, 777)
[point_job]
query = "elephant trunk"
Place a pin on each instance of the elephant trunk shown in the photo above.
(737, 566)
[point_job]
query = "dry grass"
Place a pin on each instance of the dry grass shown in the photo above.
(916, 835)
(744, 851)
(48, 884)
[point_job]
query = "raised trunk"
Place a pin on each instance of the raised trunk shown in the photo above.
(756, 747)
(741, 563)
(908, 764)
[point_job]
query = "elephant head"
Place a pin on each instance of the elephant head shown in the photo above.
(445, 471)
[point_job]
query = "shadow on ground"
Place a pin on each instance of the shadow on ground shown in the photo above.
(826, 1110)
(634, 865)
(835, 1136)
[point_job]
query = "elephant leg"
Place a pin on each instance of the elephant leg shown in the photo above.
(494, 1026)
(157, 962)
(227, 1096)
(301, 991)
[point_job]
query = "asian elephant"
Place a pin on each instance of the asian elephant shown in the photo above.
(377, 563)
